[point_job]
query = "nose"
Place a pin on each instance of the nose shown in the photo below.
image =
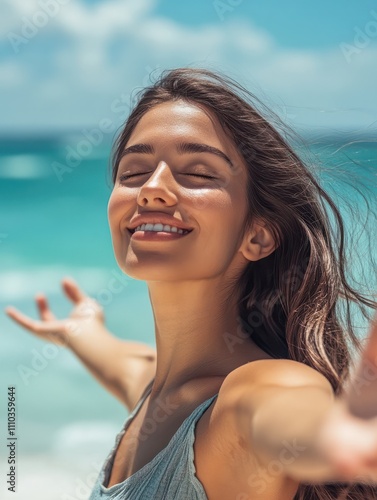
(158, 189)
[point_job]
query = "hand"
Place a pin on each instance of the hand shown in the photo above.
(86, 315)
(348, 438)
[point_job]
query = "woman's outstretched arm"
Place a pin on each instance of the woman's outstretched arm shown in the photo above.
(287, 412)
(122, 367)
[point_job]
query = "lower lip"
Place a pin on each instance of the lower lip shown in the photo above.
(156, 236)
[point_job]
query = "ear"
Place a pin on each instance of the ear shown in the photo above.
(258, 242)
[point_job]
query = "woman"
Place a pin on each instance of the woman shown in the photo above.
(245, 396)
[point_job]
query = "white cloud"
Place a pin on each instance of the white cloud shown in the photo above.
(77, 18)
(166, 35)
(104, 20)
(73, 68)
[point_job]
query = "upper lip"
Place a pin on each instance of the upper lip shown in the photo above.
(156, 218)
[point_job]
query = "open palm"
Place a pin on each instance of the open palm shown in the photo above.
(84, 316)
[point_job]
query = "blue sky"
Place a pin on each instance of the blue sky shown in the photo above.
(302, 24)
(313, 63)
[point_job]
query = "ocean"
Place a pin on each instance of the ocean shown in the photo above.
(53, 223)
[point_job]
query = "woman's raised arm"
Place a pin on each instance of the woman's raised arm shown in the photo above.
(122, 367)
(288, 412)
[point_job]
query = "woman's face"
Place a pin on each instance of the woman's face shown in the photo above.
(172, 145)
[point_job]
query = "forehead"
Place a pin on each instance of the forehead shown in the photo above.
(181, 120)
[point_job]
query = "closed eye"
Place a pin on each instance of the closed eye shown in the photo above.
(201, 175)
(125, 177)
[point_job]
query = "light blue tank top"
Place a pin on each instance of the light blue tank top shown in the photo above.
(170, 475)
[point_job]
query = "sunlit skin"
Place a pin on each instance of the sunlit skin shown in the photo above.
(189, 279)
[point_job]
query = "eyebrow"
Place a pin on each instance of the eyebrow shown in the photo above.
(182, 148)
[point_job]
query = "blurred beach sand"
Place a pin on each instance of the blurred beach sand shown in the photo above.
(45, 477)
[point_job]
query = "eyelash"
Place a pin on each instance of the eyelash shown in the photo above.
(124, 177)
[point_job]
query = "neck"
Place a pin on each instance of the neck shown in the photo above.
(198, 333)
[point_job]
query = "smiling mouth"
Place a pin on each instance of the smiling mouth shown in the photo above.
(180, 232)
(152, 235)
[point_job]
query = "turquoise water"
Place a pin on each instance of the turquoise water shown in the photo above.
(51, 228)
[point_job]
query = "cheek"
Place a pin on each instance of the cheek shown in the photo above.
(222, 224)
(231, 215)
(117, 208)
(117, 212)
(111, 209)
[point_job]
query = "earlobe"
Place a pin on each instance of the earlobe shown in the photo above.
(258, 243)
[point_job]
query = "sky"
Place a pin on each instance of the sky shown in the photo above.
(70, 64)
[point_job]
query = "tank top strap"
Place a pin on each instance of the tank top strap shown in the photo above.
(170, 474)
(148, 389)
(143, 397)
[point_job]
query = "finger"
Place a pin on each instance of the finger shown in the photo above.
(35, 326)
(373, 328)
(370, 351)
(43, 308)
(73, 291)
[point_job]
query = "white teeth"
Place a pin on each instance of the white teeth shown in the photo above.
(160, 227)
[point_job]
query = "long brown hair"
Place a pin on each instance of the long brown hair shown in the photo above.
(289, 301)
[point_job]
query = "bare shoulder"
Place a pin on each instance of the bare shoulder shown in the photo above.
(221, 450)
(272, 372)
(248, 378)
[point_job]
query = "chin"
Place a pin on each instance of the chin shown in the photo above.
(150, 276)
(151, 272)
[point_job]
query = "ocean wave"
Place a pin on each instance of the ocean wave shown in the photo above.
(24, 167)
(25, 283)
(85, 437)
